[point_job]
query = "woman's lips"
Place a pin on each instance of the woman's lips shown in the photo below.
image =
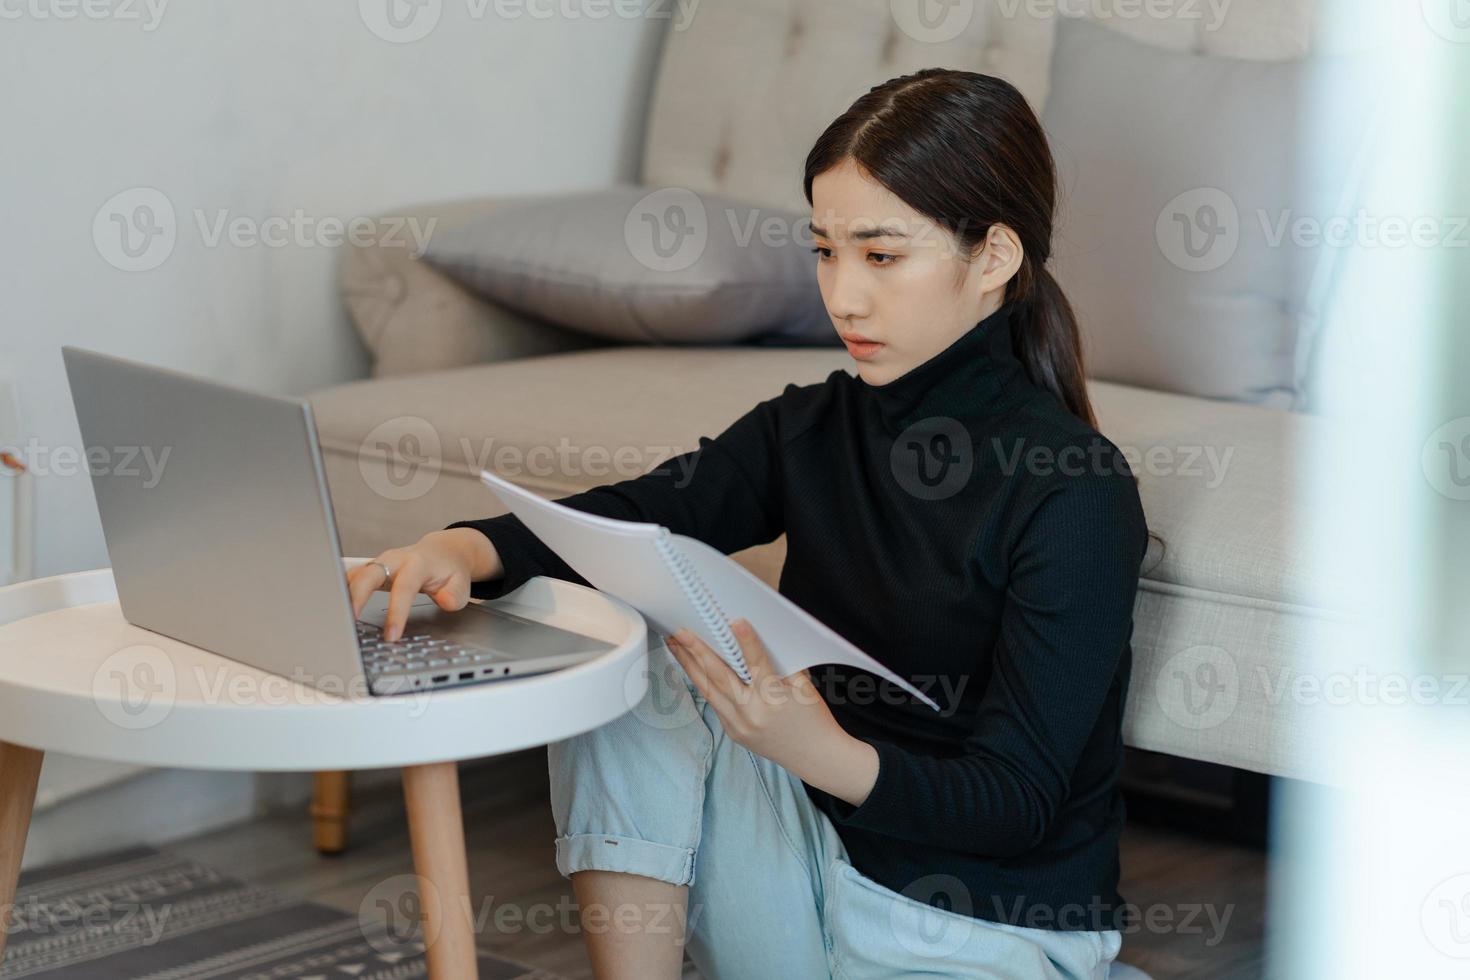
(862, 349)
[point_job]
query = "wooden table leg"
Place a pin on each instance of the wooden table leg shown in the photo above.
(20, 769)
(330, 802)
(436, 830)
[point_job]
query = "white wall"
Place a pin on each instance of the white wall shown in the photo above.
(259, 109)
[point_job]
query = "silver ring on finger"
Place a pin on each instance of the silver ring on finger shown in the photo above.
(387, 572)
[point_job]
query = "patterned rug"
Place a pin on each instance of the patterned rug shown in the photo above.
(144, 914)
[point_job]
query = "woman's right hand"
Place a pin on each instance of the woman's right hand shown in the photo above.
(441, 564)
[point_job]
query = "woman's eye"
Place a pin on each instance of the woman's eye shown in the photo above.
(823, 252)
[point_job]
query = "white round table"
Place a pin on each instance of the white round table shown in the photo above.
(75, 677)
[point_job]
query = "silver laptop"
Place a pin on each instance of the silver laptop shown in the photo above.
(219, 527)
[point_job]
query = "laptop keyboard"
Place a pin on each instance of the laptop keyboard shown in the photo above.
(414, 651)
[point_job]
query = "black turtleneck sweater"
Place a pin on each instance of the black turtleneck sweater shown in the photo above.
(964, 528)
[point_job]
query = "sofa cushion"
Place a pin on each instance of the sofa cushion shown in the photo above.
(645, 265)
(1232, 594)
(1182, 180)
(413, 318)
(745, 87)
(1257, 30)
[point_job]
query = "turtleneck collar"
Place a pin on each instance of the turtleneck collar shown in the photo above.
(965, 379)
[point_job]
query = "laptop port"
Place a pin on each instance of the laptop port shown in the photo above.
(440, 678)
(465, 675)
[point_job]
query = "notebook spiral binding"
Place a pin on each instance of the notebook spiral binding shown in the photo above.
(704, 600)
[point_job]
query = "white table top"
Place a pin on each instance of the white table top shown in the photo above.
(76, 677)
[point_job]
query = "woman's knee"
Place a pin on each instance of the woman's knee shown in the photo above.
(664, 713)
(661, 746)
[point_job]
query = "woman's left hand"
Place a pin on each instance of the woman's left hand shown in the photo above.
(783, 719)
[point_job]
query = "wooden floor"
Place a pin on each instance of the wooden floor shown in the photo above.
(1176, 878)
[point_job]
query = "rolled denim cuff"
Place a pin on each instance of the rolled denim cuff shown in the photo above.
(608, 852)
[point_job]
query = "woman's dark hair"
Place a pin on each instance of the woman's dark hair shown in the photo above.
(966, 151)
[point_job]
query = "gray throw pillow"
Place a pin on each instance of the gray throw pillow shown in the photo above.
(646, 265)
(1184, 182)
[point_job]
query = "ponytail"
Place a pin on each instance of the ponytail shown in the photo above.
(1047, 340)
(1048, 343)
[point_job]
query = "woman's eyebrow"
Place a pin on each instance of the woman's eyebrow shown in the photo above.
(882, 231)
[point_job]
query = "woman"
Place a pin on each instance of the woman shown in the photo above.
(952, 510)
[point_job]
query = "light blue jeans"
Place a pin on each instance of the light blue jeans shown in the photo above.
(662, 792)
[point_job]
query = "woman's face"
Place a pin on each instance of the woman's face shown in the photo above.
(891, 275)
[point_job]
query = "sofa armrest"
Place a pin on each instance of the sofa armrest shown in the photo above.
(413, 318)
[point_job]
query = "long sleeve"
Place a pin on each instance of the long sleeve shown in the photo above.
(1066, 621)
(726, 493)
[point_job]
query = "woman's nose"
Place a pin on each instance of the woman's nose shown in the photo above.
(847, 294)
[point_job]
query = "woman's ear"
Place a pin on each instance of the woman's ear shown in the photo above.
(1001, 258)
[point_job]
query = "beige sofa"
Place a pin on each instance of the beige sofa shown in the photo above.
(1222, 616)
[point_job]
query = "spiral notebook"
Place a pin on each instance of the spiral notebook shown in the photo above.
(676, 581)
